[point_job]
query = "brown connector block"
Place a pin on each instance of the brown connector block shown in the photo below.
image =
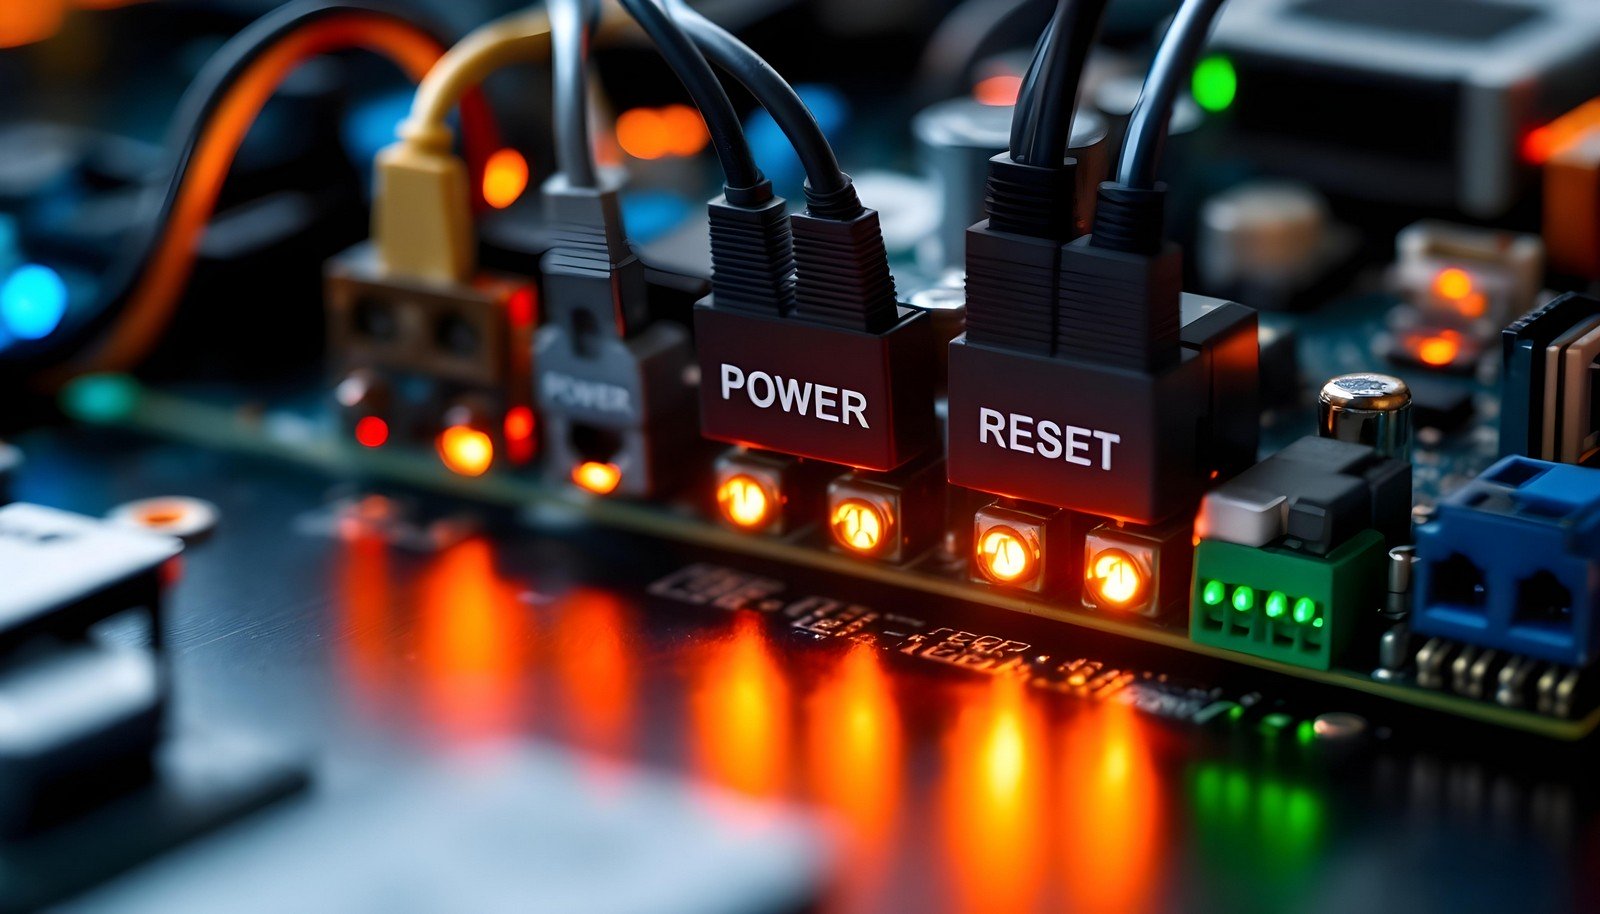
(425, 355)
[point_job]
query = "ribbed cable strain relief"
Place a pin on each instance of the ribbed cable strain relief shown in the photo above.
(1032, 200)
(749, 197)
(752, 256)
(841, 204)
(1130, 219)
(842, 273)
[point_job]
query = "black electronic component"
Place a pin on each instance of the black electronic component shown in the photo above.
(82, 717)
(1541, 403)
(1315, 494)
(1439, 405)
(1430, 96)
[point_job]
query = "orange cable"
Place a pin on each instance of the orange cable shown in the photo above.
(155, 296)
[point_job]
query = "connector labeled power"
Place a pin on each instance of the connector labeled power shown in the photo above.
(843, 376)
(611, 385)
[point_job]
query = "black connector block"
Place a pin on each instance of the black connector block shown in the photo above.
(752, 256)
(1011, 290)
(616, 401)
(1119, 309)
(842, 276)
(839, 394)
(1136, 446)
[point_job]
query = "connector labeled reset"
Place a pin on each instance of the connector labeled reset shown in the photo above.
(1115, 441)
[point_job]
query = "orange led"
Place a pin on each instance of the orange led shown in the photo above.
(684, 130)
(1453, 283)
(505, 177)
(655, 133)
(371, 431)
(858, 524)
(745, 502)
(26, 21)
(465, 450)
(1004, 556)
(1115, 578)
(596, 477)
(1000, 91)
(1439, 350)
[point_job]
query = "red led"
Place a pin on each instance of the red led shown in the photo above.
(520, 306)
(372, 431)
(519, 433)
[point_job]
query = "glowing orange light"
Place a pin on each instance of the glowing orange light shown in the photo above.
(744, 501)
(1453, 282)
(858, 524)
(655, 133)
(1000, 90)
(1115, 578)
(26, 21)
(465, 450)
(1004, 556)
(740, 712)
(1541, 144)
(471, 647)
(994, 798)
(505, 177)
(599, 478)
(1439, 350)
(686, 132)
(371, 431)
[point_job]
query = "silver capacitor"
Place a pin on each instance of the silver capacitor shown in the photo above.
(1367, 408)
(955, 140)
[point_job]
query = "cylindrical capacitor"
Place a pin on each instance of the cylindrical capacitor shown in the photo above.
(1367, 408)
(956, 139)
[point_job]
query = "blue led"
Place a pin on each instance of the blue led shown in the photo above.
(371, 125)
(33, 300)
(651, 214)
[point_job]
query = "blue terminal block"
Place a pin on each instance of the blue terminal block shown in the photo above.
(1512, 562)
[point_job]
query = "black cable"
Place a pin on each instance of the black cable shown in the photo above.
(1169, 71)
(788, 110)
(1050, 93)
(199, 102)
(722, 120)
(569, 51)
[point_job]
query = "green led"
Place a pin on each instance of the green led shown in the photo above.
(1305, 609)
(1213, 593)
(100, 397)
(1244, 599)
(1306, 732)
(1215, 83)
(1317, 622)
(1277, 604)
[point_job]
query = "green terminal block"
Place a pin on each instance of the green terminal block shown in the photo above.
(1285, 605)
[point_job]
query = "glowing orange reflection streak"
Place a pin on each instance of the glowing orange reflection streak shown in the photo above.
(739, 711)
(994, 801)
(854, 759)
(366, 606)
(472, 637)
(1112, 812)
(595, 669)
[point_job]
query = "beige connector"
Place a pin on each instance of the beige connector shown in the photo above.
(421, 218)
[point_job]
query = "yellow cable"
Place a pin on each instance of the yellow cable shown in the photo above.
(421, 221)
